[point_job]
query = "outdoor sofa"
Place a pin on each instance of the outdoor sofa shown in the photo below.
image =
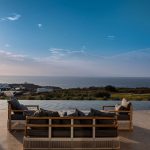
(47, 130)
(17, 114)
(124, 113)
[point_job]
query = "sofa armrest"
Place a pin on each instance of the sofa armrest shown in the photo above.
(129, 112)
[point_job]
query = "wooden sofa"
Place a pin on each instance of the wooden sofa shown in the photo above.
(17, 117)
(124, 117)
(65, 133)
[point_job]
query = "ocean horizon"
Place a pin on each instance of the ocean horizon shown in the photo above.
(75, 82)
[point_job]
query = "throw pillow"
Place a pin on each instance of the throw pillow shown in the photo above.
(98, 113)
(77, 113)
(15, 105)
(124, 103)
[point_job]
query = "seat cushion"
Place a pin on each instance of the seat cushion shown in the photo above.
(17, 117)
(37, 132)
(83, 132)
(123, 117)
(61, 132)
(106, 132)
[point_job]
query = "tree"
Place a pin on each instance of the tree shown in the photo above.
(110, 88)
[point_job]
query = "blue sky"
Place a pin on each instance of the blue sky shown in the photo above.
(75, 37)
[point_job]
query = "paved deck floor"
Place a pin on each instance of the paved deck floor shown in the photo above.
(139, 139)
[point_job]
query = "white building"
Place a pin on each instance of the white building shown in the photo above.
(9, 93)
(43, 90)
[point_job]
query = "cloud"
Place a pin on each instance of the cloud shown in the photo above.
(62, 62)
(58, 53)
(132, 55)
(18, 64)
(11, 56)
(13, 17)
(40, 25)
(134, 63)
(110, 37)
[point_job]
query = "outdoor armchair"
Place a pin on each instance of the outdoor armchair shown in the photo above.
(17, 114)
(124, 115)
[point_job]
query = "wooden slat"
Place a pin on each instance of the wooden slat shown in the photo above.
(69, 125)
(75, 118)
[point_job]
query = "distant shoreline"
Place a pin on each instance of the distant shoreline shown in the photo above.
(28, 91)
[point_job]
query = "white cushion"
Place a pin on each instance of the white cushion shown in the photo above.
(117, 107)
(124, 103)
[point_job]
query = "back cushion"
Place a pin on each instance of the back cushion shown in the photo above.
(39, 113)
(122, 108)
(77, 113)
(15, 105)
(124, 103)
(49, 113)
(98, 113)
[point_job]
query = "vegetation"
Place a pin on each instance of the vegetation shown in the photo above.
(130, 96)
(93, 93)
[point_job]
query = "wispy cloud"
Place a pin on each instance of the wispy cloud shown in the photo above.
(134, 63)
(12, 17)
(11, 56)
(132, 55)
(110, 37)
(40, 25)
(58, 53)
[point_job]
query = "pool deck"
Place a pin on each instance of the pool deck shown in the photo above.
(138, 139)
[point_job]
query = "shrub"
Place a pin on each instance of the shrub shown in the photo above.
(102, 94)
(110, 88)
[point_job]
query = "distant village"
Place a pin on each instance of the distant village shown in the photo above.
(9, 90)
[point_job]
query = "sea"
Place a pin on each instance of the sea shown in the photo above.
(74, 82)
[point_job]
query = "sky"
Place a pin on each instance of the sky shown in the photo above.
(94, 38)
